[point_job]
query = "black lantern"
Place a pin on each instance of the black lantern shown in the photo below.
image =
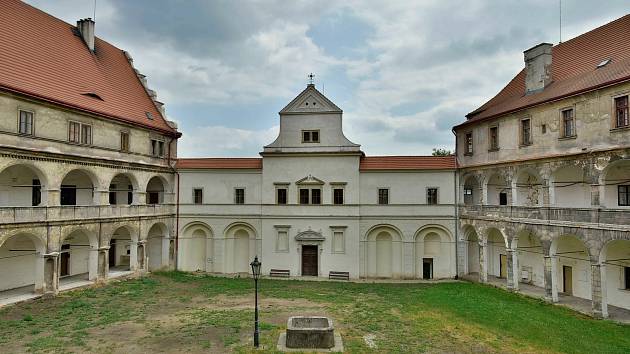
(256, 273)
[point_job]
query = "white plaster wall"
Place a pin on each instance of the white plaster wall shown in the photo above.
(407, 187)
(20, 269)
(218, 186)
(530, 258)
(12, 186)
(617, 295)
(581, 267)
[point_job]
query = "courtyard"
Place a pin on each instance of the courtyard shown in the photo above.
(185, 312)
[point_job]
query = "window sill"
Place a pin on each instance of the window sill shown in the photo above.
(620, 129)
(568, 137)
(493, 150)
(468, 154)
(525, 145)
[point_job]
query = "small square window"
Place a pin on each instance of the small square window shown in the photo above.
(383, 196)
(239, 196)
(79, 133)
(432, 196)
(310, 136)
(157, 148)
(25, 124)
(198, 196)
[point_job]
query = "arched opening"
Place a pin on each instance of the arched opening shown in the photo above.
(241, 251)
(122, 252)
(384, 253)
(121, 190)
(497, 255)
(22, 185)
(569, 188)
(155, 191)
(616, 185)
(472, 252)
(498, 190)
(434, 252)
(471, 191)
(193, 249)
(158, 247)
(78, 259)
(528, 189)
(531, 259)
(573, 267)
(615, 260)
(77, 189)
(22, 264)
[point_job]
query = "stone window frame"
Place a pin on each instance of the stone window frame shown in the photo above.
(281, 185)
(244, 195)
(333, 187)
(310, 141)
(378, 195)
(469, 148)
(193, 195)
(613, 111)
(19, 113)
(279, 229)
(561, 122)
(521, 140)
(124, 148)
(437, 196)
(81, 137)
(158, 139)
(490, 146)
(627, 193)
(338, 229)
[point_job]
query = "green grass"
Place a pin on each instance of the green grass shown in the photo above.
(175, 311)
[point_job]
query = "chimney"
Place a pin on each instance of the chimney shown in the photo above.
(537, 67)
(86, 29)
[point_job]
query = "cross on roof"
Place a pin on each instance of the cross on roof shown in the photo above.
(310, 78)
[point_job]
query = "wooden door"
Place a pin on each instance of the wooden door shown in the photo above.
(567, 280)
(65, 261)
(309, 260)
(503, 266)
(427, 268)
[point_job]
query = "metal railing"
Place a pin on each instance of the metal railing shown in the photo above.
(581, 215)
(80, 212)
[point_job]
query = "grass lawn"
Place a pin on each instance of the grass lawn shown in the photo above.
(179, 312)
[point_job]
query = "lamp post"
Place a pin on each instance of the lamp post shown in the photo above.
(256, 273)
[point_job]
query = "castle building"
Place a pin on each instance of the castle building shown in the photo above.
(545, 174)
(86, 158)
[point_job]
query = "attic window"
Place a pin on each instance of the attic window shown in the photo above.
(92, 94)
(149, 115)
(604, 63)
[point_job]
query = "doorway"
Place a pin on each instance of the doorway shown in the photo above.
(503, 266)
(427, 268)
(567, 280)
(65, 261)
(112, 253)
(309, 260)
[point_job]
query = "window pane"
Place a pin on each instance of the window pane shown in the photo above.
(282, 195)
(86, 134)
(432, 196)
(306, 136)
(303, 196)
(239, 196)
(338, 196)
(316, 196)
(315, 136)
(383, 196)
(198, 196)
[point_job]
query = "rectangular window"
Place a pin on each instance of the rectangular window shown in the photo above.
(198, 196)
(239, 196)
(621, 112)
(316, 196)
(86, 134)
(624, 195)
(568, 123)
(68, 194)
(157, 148)
(339, 244)
(526, 132)
(626, 277)
(124, 141)
(74, 132)
(153, 197)
(282, 242)
(468, 148)
(383, 196)
(310, 136)
(502, 198)
(304, 196)
(468, 196)
(338, 196)
(494, 138)
(36, 195)
(26, 123)
(432, 196)
(281, 195)
(112, 194)
(130, 194)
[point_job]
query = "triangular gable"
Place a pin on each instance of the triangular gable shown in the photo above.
(310, 180)
(311, 101)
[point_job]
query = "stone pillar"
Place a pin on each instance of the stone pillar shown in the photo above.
(165, 261)
(515, 273)
(483, 262)
(546, 199)
(103, 264)
(139, 197)
(51, 274)
(101, 196)
(53, 197)
(514, 192)
(133, 256)
(548, 282)
(142, 256)
(595, 195)
(604, 290)
(597, 295)
(554, 278)
(510, 269)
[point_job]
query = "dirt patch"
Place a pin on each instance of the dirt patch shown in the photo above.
(223, 302)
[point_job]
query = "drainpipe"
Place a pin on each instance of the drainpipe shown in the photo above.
(456, 187)
(177, 224)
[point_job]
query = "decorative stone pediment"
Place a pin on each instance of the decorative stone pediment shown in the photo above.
(309, 235)
(310, 101)
(310, 180)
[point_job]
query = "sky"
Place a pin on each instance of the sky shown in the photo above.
(403, 72)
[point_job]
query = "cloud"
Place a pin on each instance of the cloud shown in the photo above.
(217, 141)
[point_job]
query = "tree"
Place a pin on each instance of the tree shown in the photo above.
(442, 152)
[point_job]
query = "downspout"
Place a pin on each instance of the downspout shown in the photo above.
(176, 255)
(456, 185)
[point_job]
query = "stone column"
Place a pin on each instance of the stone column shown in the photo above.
(604, 290)
(516, 272)
(103, 264)
(510, 269)
(53, 197)
(547, 278)
(483, 262)
(101, 196)
(142, 256)
(595, 195)
(597, 295)
(139, 197)
(166, 243)
(546, 200)
(554, 278)
(51, 274)
(133, 256)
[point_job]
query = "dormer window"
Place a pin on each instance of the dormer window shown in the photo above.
(310, 136)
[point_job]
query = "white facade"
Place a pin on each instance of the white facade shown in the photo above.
(358, 236)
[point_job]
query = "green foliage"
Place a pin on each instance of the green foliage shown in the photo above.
(441, 152)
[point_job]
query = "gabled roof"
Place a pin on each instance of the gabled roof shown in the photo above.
(303, 103)
(41, 57)
(573, 70)
(254, 163)
(374, 163)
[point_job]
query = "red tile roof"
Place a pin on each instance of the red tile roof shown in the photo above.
(220, 163)
(41, 57)
(407, 163)
(573, 71)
